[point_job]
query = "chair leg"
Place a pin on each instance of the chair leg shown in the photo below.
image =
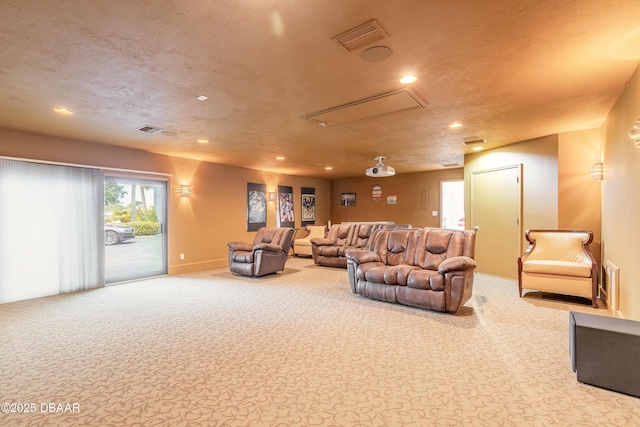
(520, 277)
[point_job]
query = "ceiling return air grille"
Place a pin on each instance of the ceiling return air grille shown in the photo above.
(393, 102)
(360, 36)
(149, 129)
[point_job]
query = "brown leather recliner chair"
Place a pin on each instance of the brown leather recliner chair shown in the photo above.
(266, 255)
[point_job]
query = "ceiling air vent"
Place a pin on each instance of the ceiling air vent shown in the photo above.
(450, 165)
(149, 129)
(474, 140)
(361, 36)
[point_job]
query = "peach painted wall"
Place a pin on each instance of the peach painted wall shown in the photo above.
(198, 226)
(579, 196)
(539, 159)
(216, 211)
(407, 187)
(621, 197)
(558, 192)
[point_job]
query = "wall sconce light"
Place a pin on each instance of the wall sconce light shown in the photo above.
(185, 191)
(272, 196)
(634, 133)
(597, 172)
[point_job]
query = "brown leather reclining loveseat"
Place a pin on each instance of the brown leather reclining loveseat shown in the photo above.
(329, 251)
(429, 268)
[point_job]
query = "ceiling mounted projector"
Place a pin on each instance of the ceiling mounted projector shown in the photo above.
(380, 170)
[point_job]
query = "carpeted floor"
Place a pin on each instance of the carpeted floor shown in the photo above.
(293, 349)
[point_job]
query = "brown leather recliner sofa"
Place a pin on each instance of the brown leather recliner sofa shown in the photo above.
(429, 268)
(330, 250)
(267, 254)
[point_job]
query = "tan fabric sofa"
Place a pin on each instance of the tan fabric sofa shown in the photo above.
(429, 268)
(267, 254)
(302, 246)
(559, 261)
(330, 250)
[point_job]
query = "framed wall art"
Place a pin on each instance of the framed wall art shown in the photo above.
(285, 206)
(308, 206)
(348, 199)
(256, 206)
(376, 193)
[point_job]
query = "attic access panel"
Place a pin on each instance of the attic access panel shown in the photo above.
(393, 102)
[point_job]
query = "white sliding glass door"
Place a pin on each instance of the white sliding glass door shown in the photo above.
(135, 229)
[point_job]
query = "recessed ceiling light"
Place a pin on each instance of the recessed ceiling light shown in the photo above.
(477, 148)
(203, 141)
(62, 111)
(279, 158)
(455, 125)
(202, 98)
(408, 79)
(329, 168)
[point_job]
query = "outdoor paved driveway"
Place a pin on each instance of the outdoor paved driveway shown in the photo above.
(134, 259)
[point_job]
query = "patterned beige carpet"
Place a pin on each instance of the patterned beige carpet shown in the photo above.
(295, 349)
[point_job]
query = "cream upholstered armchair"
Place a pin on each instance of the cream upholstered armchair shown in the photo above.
(302, 246)
(559, 261)
(267, 254)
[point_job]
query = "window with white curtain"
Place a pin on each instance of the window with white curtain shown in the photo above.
(51, 229)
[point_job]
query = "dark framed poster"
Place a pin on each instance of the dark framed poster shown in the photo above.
(285, 206)
(348, 199)
(256, 206)
(308, 206)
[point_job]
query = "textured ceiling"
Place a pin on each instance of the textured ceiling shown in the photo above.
(507, 70)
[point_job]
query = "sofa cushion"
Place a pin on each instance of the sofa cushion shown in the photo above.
(558, 245)
(342, 250)
(365, 266)
(561, 268)
(329, 251)
(361, 234)
(425, 279)
(242, 256)
(389, 275)
(342, 234)
(438, 241)
(396, 248)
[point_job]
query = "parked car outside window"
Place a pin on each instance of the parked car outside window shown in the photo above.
(117, 233)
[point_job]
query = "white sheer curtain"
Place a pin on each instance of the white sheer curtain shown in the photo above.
(51, 229)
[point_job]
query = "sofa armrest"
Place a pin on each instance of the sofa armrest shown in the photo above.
(361, 256)
(321, 241)
(268, 247)
(240, 246)
(456, 263)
